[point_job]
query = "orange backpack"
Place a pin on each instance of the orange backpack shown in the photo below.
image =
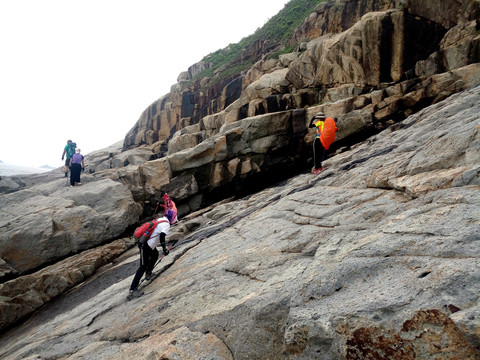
(327, 135)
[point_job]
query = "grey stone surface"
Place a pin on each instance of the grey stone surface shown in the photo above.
(49, 221)
(377, 254)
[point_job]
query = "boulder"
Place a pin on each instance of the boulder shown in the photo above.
(48, 222)
(102, 159)
(239, 149)
(20, 297)
(210, 150)
(155, 175)
(10, 184)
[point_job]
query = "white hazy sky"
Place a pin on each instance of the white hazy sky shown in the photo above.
(85, 70)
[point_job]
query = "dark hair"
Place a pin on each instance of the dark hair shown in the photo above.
(170, 215)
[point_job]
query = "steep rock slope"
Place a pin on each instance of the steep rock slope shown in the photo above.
(257, 136)
(377, 257)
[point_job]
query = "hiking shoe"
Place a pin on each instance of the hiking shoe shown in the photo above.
(316, 171)
(165, 252)
(148, 276)
(135, 293)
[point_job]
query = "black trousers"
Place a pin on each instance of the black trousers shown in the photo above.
(318, 153)
(148, 258)
(75, 170)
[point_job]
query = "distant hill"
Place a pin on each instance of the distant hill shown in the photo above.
(9, 170)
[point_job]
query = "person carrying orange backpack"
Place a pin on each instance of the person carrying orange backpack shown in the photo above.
(324, 137)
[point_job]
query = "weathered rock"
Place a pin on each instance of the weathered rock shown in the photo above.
(448, 13)
(113, 157)
(370, 63)
(268, 84)
(129, 176)
(188, 137)
(376, 255)
(156, 174)
(213, 149)
(336, 17)
(132, 157)
(20, 297)
(102, 159)
(10, 184)
(238, 149)
(363, 54)
(193, 71)
(49, 221)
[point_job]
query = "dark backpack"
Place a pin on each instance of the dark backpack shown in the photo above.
(143, 233)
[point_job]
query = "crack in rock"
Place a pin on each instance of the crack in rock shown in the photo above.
(242, 274)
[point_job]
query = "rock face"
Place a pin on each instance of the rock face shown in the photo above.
(371, 63)
(376, 257)
(26, 294)
(50, 221)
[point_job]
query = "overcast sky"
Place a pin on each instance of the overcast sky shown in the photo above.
(85, 70)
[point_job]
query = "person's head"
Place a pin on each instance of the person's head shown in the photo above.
(170, 214)
(77, 150)
(320, 116)
(69, 141)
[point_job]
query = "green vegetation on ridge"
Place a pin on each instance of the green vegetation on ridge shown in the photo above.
(276, 30)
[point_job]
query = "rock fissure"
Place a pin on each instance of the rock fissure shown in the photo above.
(356, 162)
(176, 255)
(414, 256)
(239, 273)
(105, 311)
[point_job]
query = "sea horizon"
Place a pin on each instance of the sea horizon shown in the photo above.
(11, 169)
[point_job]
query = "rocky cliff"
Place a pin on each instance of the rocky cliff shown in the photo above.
(370, 63)
(375, 258)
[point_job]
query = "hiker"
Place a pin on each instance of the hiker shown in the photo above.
(149, 252)
(68, 150)
(168, 204)
(324, 137)
(77, 164)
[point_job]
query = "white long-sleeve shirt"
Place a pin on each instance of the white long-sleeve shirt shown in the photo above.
(162, 227)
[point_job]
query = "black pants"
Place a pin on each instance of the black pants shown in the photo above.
(318, 153)
(148, 258)
(75, 173)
